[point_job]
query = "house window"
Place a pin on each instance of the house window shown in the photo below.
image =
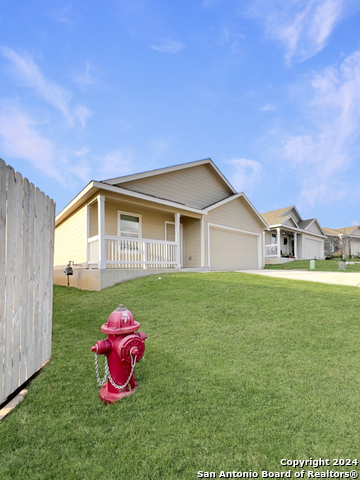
(273, 238)
(331, 246)
(129, 225)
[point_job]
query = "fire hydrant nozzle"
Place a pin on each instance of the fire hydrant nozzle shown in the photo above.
(122, 349)
(134, 352)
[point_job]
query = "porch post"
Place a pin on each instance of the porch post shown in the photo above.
(101, 232)
(295, 245)
(263, 249)
(278, 241)
(87, 223)
(177, 239)
(202, 241)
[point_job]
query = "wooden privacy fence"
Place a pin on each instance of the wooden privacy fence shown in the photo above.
(27, 222)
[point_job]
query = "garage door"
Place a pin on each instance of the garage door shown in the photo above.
(231, 250)
(312, 248)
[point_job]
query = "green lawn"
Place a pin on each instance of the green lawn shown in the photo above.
(240, 372)
(320, 265)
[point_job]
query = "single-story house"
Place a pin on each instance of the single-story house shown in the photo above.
(184, 216)
(342, 241)
(290, 237)
(333, 242)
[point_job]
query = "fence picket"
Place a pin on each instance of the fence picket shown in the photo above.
(2, 271)
(27, 220)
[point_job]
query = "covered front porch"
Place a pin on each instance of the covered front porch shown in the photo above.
(282, 246)
(120, 235)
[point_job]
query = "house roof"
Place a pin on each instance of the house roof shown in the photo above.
(160, 171)
(348, 230)
(114, 186)
(280, 217)
(330, 231)
(276, 217)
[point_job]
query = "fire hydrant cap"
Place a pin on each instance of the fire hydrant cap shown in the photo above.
(120, 321)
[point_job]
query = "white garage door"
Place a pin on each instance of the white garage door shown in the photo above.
(231, 250)
(312, 248)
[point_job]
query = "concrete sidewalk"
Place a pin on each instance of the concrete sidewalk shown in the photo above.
(334, 278)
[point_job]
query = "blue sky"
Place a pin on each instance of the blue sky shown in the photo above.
(269, 90)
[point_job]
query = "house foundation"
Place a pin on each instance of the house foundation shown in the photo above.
(95, 279)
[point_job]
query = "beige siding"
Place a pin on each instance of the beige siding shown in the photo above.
(196, 186)
(93, 219)
(152, 221)
(192, 248)
(234, 214)
(314, 229)
(295, 215)
(70, 239)
(268, 236)
(290, 223)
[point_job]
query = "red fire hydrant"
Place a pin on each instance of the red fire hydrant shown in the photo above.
(122, 349)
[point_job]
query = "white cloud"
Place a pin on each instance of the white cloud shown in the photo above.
(245, 173)
(20, 140)
(84, 78)
(302, 27)
(81, 153)
(29, 73)
(329, 147)
(231, 38)
(83, 113)
(114, 165)
(268, 107)
(170, 46)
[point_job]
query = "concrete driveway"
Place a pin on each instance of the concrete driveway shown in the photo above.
(334, 278)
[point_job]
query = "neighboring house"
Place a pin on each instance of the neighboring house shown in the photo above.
(185, 216)
(333, 243)
(290, 237)
(342, 241)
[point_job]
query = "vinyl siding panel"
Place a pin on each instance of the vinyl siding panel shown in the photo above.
(195, 186)
(290, 223)
(268, 236)
(152, 222)
(314, 229)
(235, 214)
(93, 220)
(192, 246)
(70, 239)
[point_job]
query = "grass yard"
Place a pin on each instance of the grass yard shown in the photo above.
(240, 372)
(320, 265)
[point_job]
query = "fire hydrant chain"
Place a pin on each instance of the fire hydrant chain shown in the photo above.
(107, 372)
(121, 387)
(101, 382)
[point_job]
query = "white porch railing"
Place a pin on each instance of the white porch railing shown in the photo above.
(125, 252)
(271, 250)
